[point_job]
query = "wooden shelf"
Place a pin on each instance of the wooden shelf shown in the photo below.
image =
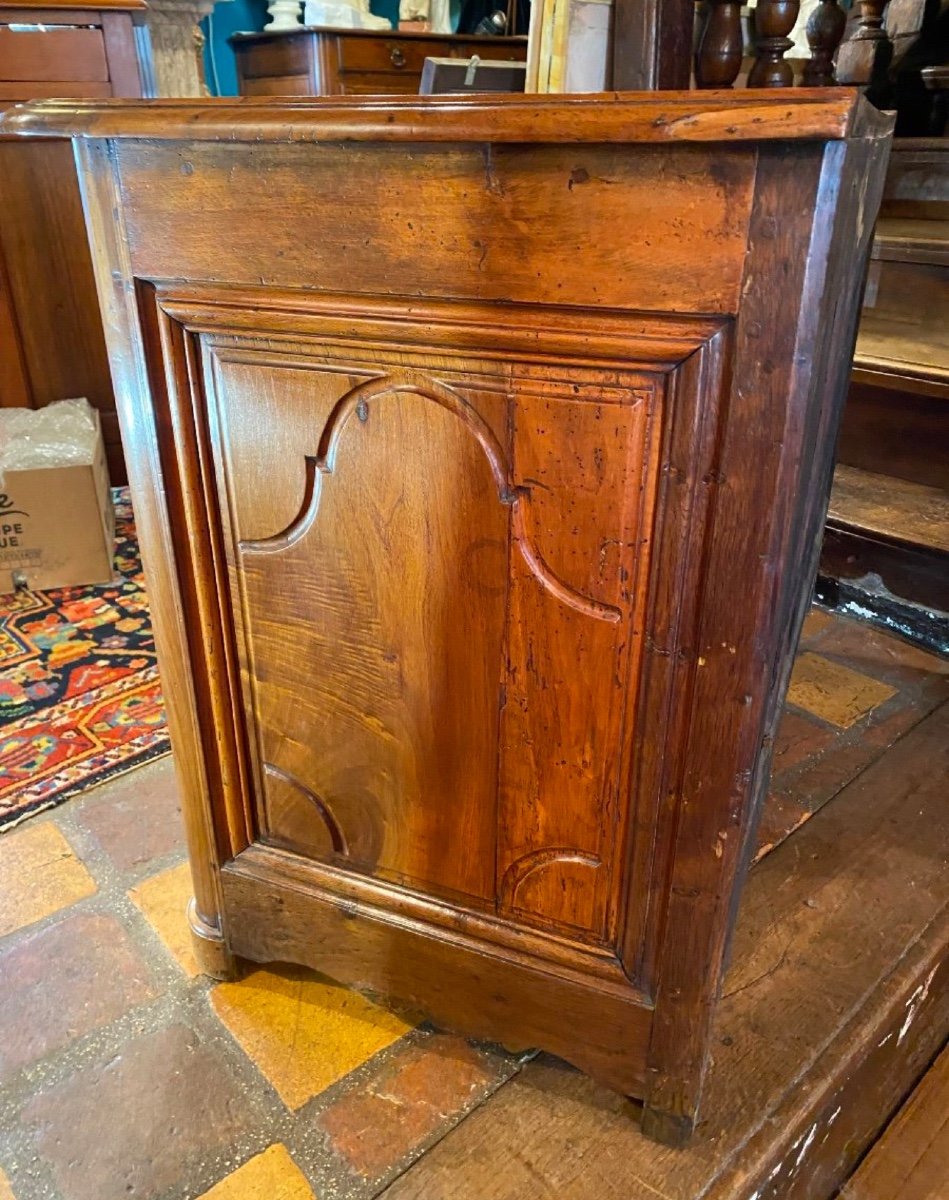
(896, 510)
(909, 239)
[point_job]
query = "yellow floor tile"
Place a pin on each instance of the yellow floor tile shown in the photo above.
(833, 692)
(40, 876)
(303, 1032)
(272, 1175)
(816, 622)
(6, 1192)
(164, 901)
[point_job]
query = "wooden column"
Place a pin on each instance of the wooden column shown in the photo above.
(863, 57)
(774, 20)
(719, 51)
(825, 28)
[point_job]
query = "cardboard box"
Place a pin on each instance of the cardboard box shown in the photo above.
(57, 525)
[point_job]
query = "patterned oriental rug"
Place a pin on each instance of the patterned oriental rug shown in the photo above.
(80, 699)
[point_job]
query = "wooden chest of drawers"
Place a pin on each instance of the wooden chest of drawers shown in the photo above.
(479, 522)
(51, 343)
(351, 62)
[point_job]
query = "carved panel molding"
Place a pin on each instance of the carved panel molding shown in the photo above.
(558, 828)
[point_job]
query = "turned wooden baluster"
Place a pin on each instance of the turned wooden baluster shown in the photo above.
(718, 55)
(825, 27)
(774, 20)
(867, 54)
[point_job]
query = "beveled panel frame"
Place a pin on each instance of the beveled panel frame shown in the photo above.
(691, 357)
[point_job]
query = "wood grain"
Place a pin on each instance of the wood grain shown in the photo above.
(911, 1160)
(723, 117)
(913, 514)
(50, 329)
(49, 54)
(651, 44)
(464, 241)
(14, 380)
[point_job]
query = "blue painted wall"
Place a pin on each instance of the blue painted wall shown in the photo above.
(234, 16)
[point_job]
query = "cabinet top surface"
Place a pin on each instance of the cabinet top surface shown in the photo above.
(268, 35)
(817, 114)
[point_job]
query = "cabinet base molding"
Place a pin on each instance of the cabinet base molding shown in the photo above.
(210, 949)
(459, 981)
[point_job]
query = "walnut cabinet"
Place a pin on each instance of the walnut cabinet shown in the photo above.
(480, 452)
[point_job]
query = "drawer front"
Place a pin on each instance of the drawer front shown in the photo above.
(277, 85)
(495, 49)
(388, 55)
(37, 55)
(31, 89)
(277, 57)
(407, 55)
(372, 84)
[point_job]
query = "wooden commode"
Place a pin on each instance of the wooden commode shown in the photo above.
(51, 343)
(311, 61)
(480, 452)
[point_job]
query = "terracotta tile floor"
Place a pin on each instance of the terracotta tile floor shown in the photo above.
(125, 1073)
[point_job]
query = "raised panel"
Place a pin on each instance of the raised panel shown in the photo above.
(584, 461)
(372, 582)
(437, 564)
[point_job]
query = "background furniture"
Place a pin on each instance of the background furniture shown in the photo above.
(887, 543)
(51, 343)
(351, 62)
(476, 609)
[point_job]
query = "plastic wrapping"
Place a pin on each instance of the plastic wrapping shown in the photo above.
(56, 515)
(64, 434)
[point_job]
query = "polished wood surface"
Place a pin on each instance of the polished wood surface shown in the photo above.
(718, 117)
(312, 61)
(774, 20)
(477, 583)
(51, 338)
(719, 49)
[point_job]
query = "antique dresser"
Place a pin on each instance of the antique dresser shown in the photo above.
(51, 344)
(480, 452)
(312, 61)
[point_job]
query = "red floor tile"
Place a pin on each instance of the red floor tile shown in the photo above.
(140, 1122)
(63, 982)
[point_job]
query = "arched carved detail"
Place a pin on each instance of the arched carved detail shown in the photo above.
(324, 462)
(543, 574)
(537, 860)
(337, 837)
